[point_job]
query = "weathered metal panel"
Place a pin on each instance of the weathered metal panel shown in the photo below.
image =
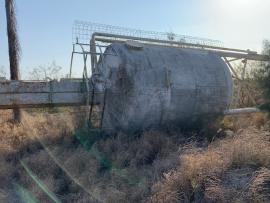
(158, 85)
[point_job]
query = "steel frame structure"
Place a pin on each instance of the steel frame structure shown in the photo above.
(95, 37)
(82, 32)
(69, 91)
(92, 39)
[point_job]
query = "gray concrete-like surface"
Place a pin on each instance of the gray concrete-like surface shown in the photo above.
(153, 86)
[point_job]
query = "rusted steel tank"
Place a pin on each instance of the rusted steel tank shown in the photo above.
(150, 85)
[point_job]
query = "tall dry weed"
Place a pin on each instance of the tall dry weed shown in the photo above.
(193, 179)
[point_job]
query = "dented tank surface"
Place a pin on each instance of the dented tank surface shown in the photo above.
(152, 86)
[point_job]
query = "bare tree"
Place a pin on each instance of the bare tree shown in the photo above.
(51, 72)
(2, 72)
(263, 76)
(13, 47)
(171, 36)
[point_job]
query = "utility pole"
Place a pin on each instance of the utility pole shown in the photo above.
(13, 48)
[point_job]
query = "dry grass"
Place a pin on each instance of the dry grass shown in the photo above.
(200, 175)
(259, 190)
(15, 136)
(155, 166)
(116, 169)
(235, 123)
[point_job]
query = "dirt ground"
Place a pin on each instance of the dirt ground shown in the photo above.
(49, 157)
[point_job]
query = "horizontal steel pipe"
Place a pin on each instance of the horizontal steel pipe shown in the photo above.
(222, 52)
(241, 111)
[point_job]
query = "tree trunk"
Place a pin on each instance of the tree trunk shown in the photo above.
(13, 47)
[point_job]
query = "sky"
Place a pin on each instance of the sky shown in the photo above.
(45, 27)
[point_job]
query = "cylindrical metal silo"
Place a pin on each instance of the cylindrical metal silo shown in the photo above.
(156, 85)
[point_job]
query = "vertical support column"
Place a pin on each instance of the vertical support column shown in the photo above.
(13, 48)
(240, 79)
(231, 68)
(93, 55)
(71, 61)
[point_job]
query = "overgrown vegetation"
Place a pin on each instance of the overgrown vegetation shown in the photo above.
(263, 76)
(253, 88)
(223, 172)
(52, 157)
(154, 166)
